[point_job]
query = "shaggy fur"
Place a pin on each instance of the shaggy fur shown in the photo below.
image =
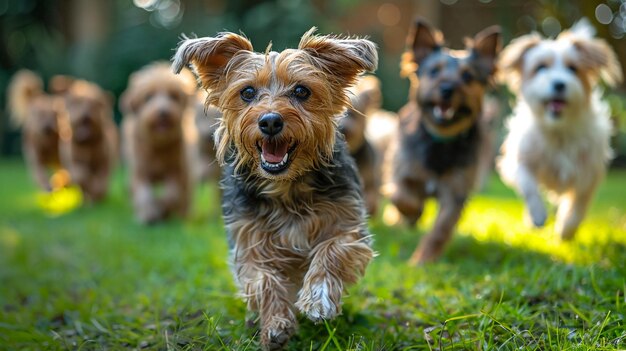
(436, 149)
(559, 133)
(155, 125)
(292, 203)
(89, 138)
(38, 114)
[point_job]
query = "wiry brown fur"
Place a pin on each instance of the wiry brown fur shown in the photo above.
(435, 153)
(89, 138)
(155, 106)
(38, 114)
(298, 236)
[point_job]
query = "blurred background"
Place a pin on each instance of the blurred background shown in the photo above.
(104, 41)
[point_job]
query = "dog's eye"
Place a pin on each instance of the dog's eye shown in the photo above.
(541, 67)
(434, 71)
(572, 68)
(467, 76)
(248, 94)
(301, 93)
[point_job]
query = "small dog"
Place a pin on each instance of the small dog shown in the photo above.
(439, 137)
(38, 114)
(559, 132)
(292, 200)
(156, 110)
(89, 138)
(365, 98)
(206, 167)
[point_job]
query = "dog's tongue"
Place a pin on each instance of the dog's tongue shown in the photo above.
(274, 151)
(556, 106)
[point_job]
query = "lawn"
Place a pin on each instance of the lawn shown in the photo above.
(94, 279)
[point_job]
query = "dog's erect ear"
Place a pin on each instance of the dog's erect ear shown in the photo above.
(209, 56)
(485, 49)
(422, 40)
(511, 59)
(343, 58)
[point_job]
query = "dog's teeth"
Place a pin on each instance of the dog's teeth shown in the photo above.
(285, 158)
(263, 159)
(437, 112)
(449, 113)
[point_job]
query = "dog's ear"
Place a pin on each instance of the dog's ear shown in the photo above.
(60, 84)
(209, 56)
(485, 48)
(597, 57)
(342, 58)
(511, 59)
(128, 102)
(421, 41)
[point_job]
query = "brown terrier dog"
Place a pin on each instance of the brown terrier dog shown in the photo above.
(206, 167)
(155, 107)
(365, 99)
(89, 138)
(436, 149)
(38, 114)
(292, 201)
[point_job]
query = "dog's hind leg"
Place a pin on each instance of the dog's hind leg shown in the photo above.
(572, 209)
(408, 200)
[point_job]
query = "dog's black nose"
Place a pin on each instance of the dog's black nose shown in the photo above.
(559, 86)
(447, 90)
(271, 123)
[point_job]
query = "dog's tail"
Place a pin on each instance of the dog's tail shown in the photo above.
(23, 89)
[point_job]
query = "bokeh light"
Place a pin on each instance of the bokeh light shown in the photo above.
(604, 14)
(551, 26)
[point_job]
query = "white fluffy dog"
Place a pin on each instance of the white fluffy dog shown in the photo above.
(559, 133)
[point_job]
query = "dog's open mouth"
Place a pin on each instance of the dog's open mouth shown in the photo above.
(445, 113)
(556, 106)
(275, 154)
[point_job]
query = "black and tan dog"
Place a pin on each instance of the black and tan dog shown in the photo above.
(292, 200)
(435, 153)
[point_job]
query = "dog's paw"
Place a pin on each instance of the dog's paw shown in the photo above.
(317, 303)
(276, 334)
(536, 215)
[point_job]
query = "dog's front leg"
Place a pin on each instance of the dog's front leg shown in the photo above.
(528, 188)
(268, 291)
(37, 168)
(450, 207)
(147, 209)
(176, 195)
(334, 263)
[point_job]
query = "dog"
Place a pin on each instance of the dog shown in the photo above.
(292, 201)
(38, 113)
(364, 99)
(436, 150)
(156, 107)
(89, 138)
(559, 132)
(206, 167)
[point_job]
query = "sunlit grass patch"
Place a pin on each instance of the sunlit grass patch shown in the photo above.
(93, 278)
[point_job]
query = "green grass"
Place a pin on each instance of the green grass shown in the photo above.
(93, 279)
